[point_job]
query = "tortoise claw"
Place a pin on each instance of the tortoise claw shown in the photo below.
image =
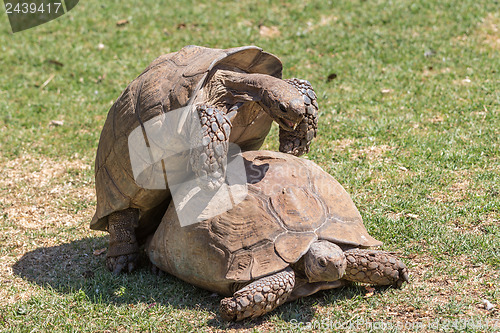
(297, 142)
(403, 277)
(122, 264)
(123, 251)
(155, 270)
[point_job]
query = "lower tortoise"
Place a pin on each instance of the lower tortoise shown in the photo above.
(296, 232)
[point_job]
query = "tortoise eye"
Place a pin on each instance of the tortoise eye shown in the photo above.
(322, 262)
(283, 108)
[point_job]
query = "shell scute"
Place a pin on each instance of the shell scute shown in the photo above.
(245, 225)
(298, 208)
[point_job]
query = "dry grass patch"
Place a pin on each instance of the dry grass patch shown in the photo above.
(429, 71)
(340, 145)
(453, 280)
(459, 190)
(486, 34)
(35, 192)
(43, 203)
(489, 31)
(373, 153)
(436, 119)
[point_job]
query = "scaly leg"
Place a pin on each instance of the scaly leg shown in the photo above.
(209, 155)
(375, 267)
(259, 297)
(123, 249)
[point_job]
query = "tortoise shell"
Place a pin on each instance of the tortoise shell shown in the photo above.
(168, 83)
(291, 203)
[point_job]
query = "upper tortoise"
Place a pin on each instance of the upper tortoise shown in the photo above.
(296, 232)
(217, 96)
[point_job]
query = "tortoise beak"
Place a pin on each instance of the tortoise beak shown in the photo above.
(289, 123)
(291, 116)
(286, 124)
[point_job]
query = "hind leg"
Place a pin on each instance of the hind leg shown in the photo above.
(375, 267)
(123, 250)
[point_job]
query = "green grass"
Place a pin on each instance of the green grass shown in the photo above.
(409, 125)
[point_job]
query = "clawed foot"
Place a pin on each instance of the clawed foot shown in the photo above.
(155, 270)
(297, 142)
(122, 264)
(123, 251)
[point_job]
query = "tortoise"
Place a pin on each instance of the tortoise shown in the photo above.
(231, 95)
(296, 232)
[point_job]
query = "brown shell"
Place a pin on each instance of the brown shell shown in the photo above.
(291, 203)
(166, 84)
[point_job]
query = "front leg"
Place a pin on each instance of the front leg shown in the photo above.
(209, 153)
(375, 267)
(123, 250)
(297, 142)
(259, 297)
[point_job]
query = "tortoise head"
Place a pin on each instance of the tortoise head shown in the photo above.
(324, 261)
(283, 102)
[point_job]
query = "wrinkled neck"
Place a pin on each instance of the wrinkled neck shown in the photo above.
(234, 86)
(299, 268)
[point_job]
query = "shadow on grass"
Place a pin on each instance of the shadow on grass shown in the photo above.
(72, 268)
(64, 267)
